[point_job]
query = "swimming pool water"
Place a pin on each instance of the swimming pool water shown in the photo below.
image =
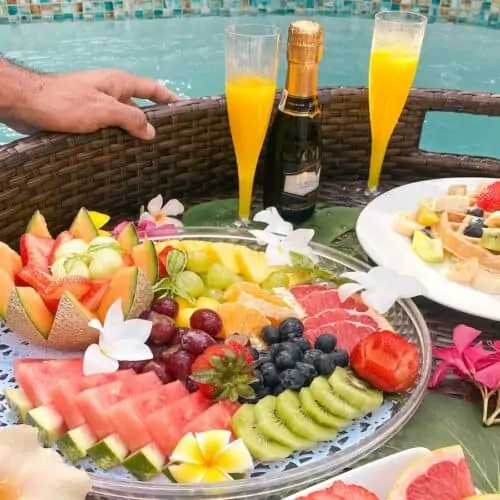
(188, 55)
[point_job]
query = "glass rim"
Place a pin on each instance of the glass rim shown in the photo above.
(274, 31)
(419, 19)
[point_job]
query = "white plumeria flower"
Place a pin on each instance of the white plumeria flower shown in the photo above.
(381, 287)
(274, 221)
(120, 340)
(30, 472)
(163, 214)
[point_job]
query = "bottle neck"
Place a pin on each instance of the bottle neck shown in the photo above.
(300, 96)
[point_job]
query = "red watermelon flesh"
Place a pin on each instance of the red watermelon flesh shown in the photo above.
(302, 291)
(37, 377)
(333, 315)
(128, 416)
(95, 403)
(167, 425)
(318, 301)
(65, 392)
(217, 417)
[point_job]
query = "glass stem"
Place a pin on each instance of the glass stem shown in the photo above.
(379, 149)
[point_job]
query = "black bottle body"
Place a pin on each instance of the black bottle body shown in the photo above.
(293, 158)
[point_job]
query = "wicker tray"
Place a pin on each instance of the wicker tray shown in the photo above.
(192, 158)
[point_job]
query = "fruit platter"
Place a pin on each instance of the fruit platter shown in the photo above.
(198, 363)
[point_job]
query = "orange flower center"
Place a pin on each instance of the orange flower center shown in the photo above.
(8, 491)
(159, 218)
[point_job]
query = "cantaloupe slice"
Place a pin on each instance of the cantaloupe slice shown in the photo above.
(10, 260)
(128, 238)
(28, 314)
(38, 226)
(6, 288)
(144, 257)
(132, 286)
(83, 227)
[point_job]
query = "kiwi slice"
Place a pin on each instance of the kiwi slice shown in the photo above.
(290, 411)
(319, 414)
(270, 424)
(243, 424)
(357, 392)
(324, 395)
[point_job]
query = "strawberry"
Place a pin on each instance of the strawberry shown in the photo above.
(386, 360)
(224, 372)
(61, 239)
(35, 251)
(341, 491)
(489, 198)
(162, 261)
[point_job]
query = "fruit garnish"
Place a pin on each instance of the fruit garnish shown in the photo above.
(99, 220)
(240, 319)
(209, 457)
(386, 360)
(162, 261)
(341, 491)
(35, 251)
(442, 473)
(162, 213)
(224, 372)
(489, 198)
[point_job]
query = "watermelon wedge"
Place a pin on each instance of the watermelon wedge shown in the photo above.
(65, 392)
(217, 417)
(128, 416)
(94, 404)
(36, 377)
(167, 425)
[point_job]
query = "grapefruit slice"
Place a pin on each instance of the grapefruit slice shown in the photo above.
(334, 315)
(319, 300)
(440, 475)
(302, 291)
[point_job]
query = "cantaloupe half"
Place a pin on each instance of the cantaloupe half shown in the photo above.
(128, 238)
(134, 289)
(144, 257)
(10, 260)
(38, 226)
(83, 227)
(6, 288)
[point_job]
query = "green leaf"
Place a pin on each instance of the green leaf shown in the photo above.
(212, 213)
(445, 421)
(300, 261)
(329, 223)
(204, 376)
(217, 362)
(176, 262)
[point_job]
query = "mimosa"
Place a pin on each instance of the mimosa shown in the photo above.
(250, 100)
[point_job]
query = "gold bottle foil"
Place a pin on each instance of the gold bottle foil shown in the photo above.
(304, 53)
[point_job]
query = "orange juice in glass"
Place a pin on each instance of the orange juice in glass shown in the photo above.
(397, 41)
(252, 55)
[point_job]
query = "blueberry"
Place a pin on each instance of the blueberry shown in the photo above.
(284, 360)
(270, 335)
(291, 328)
(292, 379)
(340, 357)
(302, 343)
(265, 357)
(293, 349)
(476, 211)
(262, 391)
(311, 355)
(325, 364)
(274, 350)
(270, 374)
(255, 354)
(308, 371)
(326, 342)
(259, 379)
(277, 390)
(474, 230)
(191, 385)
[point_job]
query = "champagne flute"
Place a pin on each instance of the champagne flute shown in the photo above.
(396, 44)
(252, 56)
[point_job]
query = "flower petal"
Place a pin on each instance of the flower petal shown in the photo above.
(264, 237)
(299, 237)
(96, 362)
(146, 216)
(439, 374)
(171, 221)
(173, 207)
(99, 219)
(212, 442)
(120, 227)
(234, 458)
(96, 324)
(359, 277)
(452, 357)
(463, 336)
(489, 377)
(188, 451)
(137, 330)
(155, 205)
(129, 350)
(114, 316)
(496, 344)
(274, 221)
(158, 231)
(277, 255)
(379, 299)
(346, 290)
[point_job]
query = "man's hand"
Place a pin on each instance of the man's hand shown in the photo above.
(78, 102)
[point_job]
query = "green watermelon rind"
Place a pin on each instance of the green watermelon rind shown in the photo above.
(18, 402)
(145, 463)
(108, 452)
(49, 423)
(75, 444)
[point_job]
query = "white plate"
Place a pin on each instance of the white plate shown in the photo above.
(392, 250)
(378, 476)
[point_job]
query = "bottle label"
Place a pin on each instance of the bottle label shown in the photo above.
(302, 184)
(298, 106)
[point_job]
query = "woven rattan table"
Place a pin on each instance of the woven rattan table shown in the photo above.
(192, 158)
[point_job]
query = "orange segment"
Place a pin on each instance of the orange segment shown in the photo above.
(233, 292)
(240, 319)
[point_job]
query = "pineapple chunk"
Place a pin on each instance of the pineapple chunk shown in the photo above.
(226, 255)
(253, 265)
(201, 246)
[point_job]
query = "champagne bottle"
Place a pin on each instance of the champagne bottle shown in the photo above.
(293, 160)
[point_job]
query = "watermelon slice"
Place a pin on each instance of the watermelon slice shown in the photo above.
(167, 425)
(37, 377)
(95, 403)
(217, 417)
(65, 392)
(128, 416)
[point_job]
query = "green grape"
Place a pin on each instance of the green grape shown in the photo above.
(198, 261)
(277, 279)
(213, 293)
(189, 283)
(219, 276)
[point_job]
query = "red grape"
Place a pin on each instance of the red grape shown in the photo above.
(196, 341)
(167, 307)
(207, 320)
(179, 364)
(133, 365)
(162, 333)
(165, 352)
(161, 370)
(146, 314)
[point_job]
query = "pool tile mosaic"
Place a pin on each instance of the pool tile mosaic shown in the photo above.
(482, 12)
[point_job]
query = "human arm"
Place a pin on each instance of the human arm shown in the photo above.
(80, 102)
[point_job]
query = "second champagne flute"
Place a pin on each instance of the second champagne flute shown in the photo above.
(252, 57)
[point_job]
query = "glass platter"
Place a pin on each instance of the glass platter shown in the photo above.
(272, 480)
